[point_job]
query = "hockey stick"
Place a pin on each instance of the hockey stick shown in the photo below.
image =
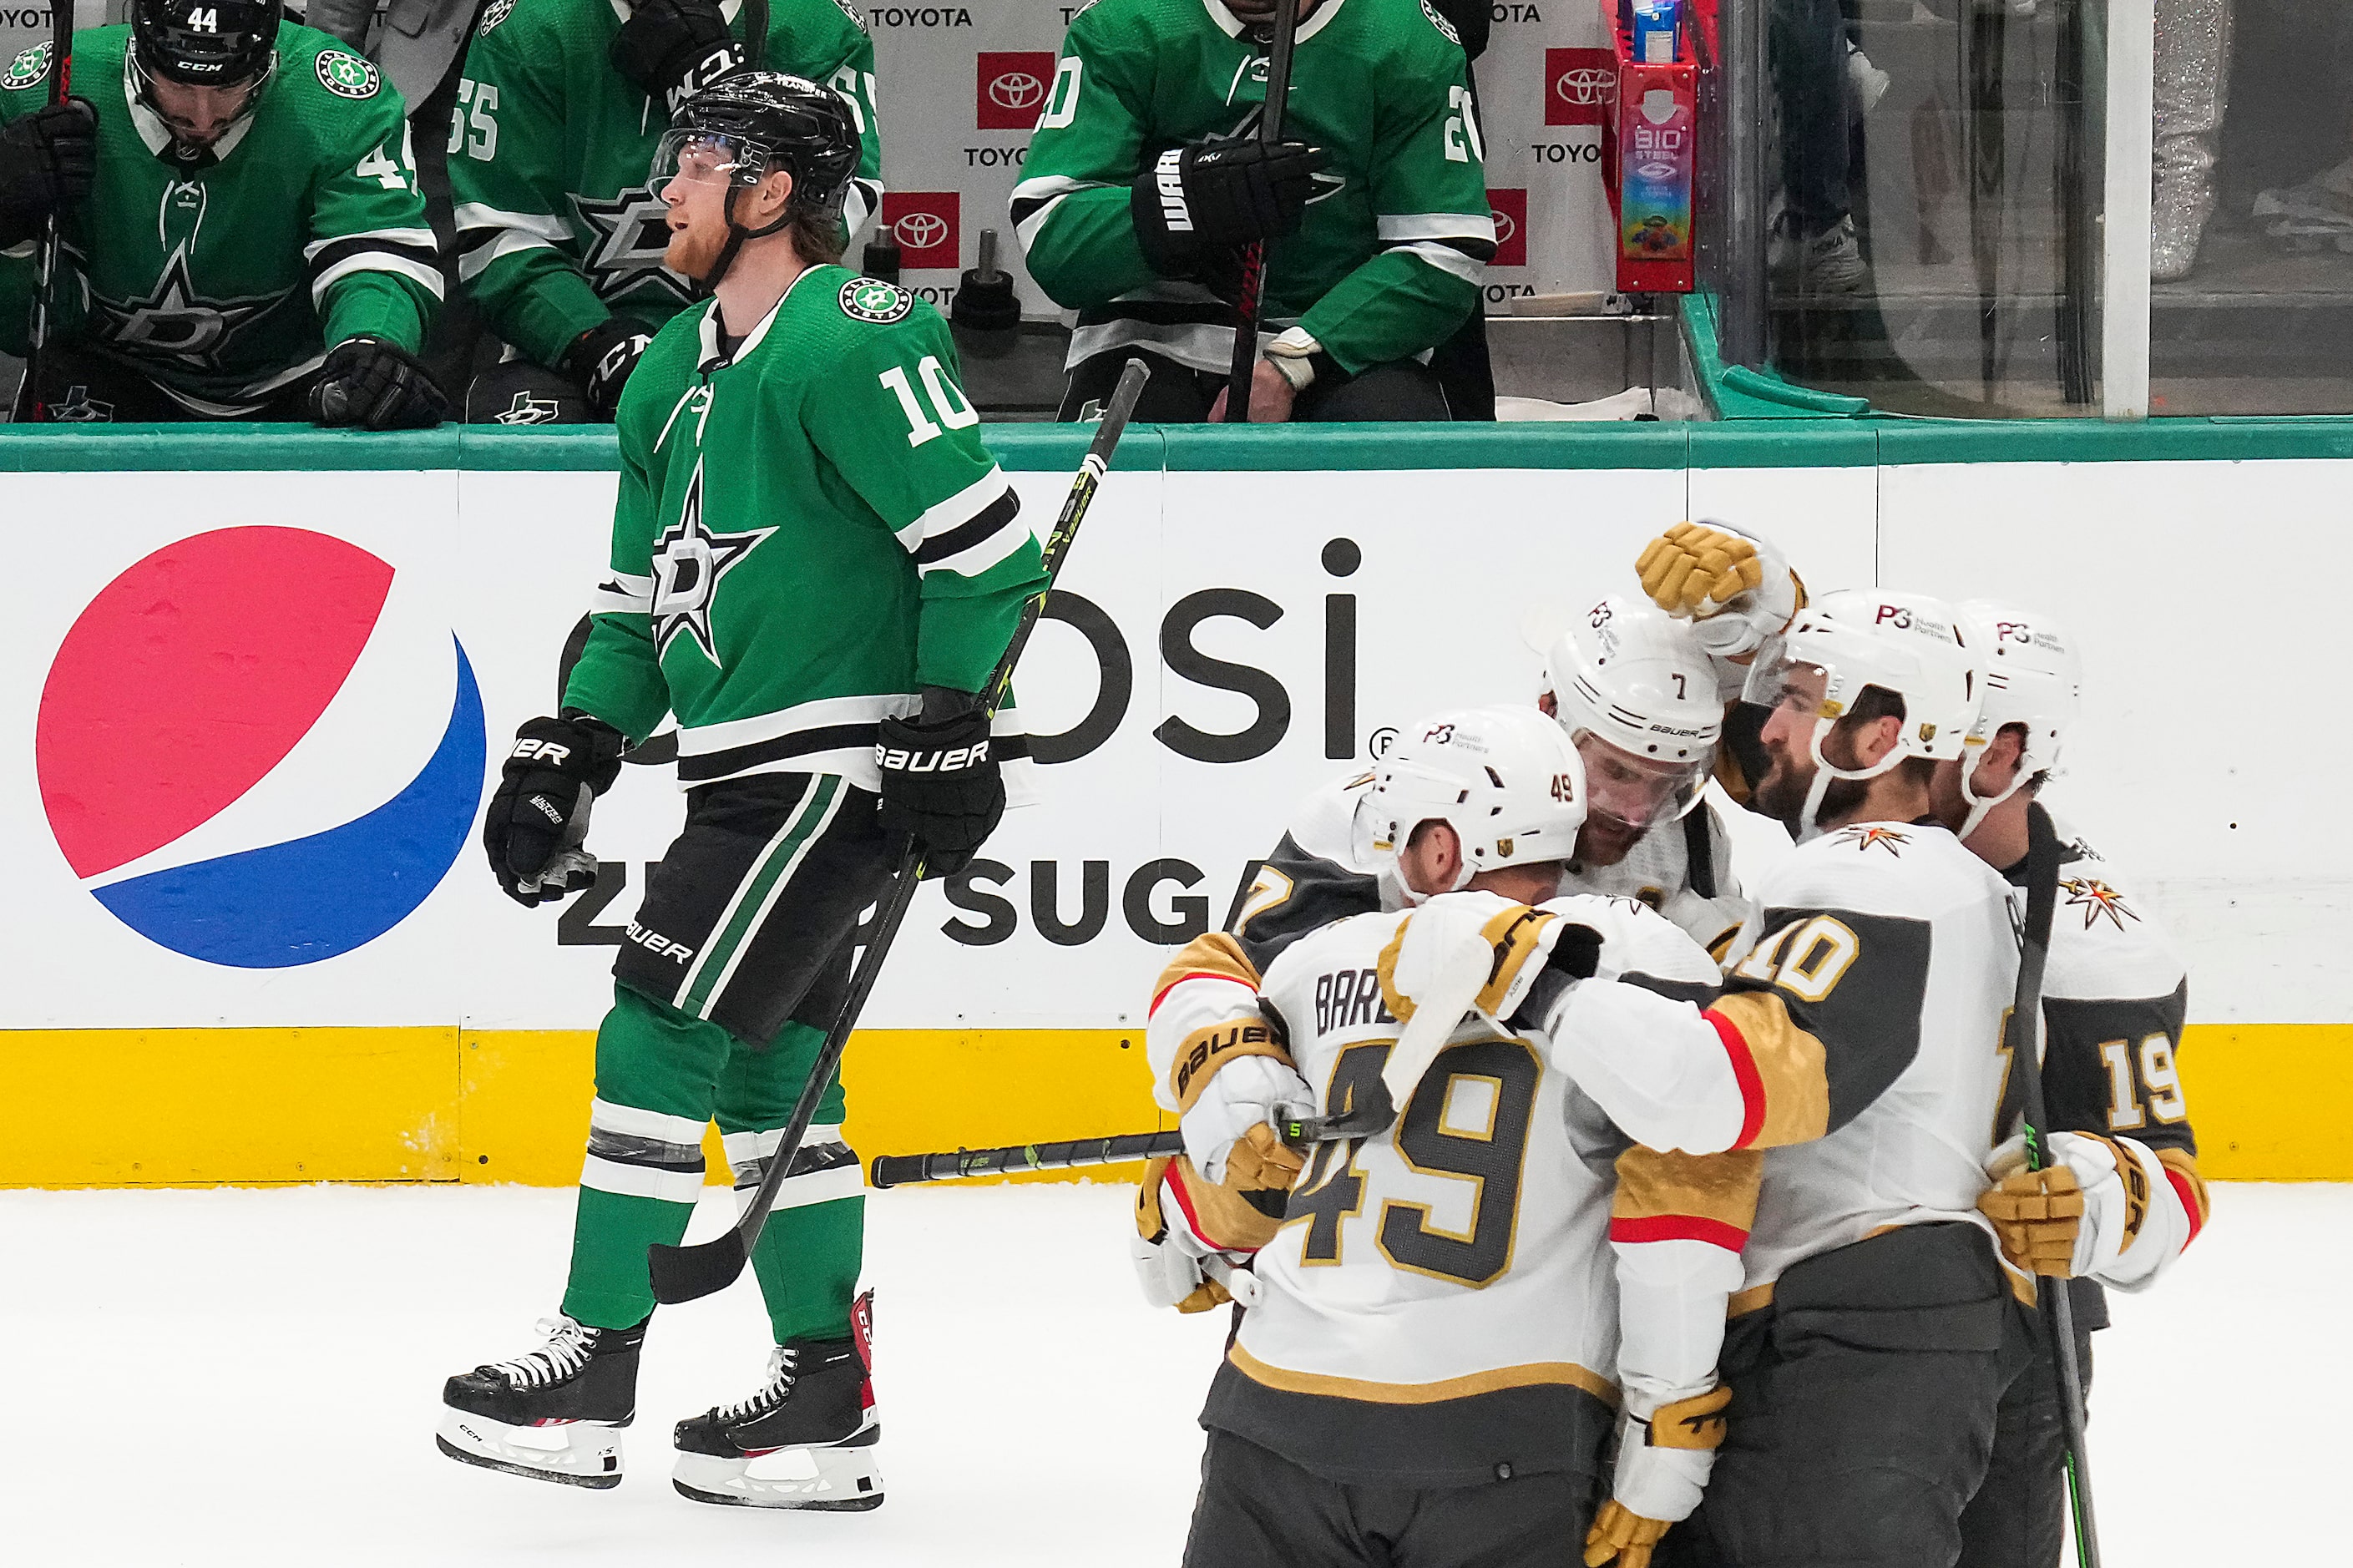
(1246, 310)
(2057, 1311)
(755, 34)
(684, 1273)
(903, 1170)
(27, 406)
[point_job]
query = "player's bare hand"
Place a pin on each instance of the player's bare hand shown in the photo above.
(1272, 396)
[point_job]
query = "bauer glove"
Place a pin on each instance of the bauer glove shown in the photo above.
(939, 782)
(1734, 587)
(2106, 1207)
(1663, 1460)
(539, 817)
(1193, 205)
(379, 385)
(48, 159)
(1507, 946)
(601, 359)
(1247, 1093)
(674, 48)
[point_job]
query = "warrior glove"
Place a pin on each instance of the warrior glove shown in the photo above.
(376, 385)
(1734, 587)
(48, 159)
(539, 817)
(601, 359)
(939, 782)
(674, 48)
(1193, 205)
(1663, 1460)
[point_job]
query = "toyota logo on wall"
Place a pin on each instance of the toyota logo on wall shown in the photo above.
(921, 231)
(1583, 85)
(1580, 84)
(1017, 89)
(1504, 227)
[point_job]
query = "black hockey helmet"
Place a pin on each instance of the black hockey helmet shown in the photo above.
(750, 122)
(746, 125)
(205, 43)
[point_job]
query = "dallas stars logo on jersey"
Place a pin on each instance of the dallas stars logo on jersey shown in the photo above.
(630, 233)
(689, 562)
(174, 319)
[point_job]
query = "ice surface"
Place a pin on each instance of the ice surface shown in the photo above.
(253, 1377)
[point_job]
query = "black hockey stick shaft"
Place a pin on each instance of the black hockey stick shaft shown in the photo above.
(1246, 310)
(2056, 1309)
(899, 1170)
(686, 1273)
(1299, 1131)
(755, 34)
(27, 406)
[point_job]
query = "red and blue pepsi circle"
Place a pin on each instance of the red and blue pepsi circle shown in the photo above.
(193, 678)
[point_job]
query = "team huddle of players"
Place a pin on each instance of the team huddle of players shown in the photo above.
(1599, 1238)
(246, 230)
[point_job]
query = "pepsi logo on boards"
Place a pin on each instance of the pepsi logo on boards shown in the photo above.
(191, 683)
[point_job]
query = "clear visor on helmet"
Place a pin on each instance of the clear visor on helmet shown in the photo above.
(706, 158)
(1778, 680)
(1635, 792)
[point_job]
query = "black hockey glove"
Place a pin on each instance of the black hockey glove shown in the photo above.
(540, 810)
(674, 48)
(601, 359)
(940, 783)
(48, 159)
(380, 385)
(1212, 195)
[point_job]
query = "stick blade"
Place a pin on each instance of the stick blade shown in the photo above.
(689, 1273)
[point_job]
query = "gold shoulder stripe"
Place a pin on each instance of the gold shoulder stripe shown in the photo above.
(1534, 1375)
(1214, 952)
(1791, 1068)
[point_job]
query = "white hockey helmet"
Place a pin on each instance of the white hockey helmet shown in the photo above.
(1632, 677)
(1909, 644)
(2029, 674)
(1506, 779)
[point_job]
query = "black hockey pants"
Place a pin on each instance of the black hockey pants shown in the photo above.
(1864, 1402)
(2019, 1517)
(1258, 1510)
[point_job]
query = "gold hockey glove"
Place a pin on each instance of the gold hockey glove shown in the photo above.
(2037, 1214)
(1625, 1538)
(1693, 570)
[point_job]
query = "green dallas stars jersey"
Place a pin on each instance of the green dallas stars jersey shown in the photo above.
(226, 277)
(806, 533)
(549, 148)
(1387, 261)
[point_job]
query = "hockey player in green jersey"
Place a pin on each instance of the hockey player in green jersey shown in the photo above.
(560, 234)
(1136, 196)
(252, 244)
(816, 567)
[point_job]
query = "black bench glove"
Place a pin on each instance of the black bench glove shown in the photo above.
(674, 48)
(1192, 201)
(557, 767)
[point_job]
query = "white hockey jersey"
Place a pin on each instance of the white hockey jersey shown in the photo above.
(1883, 958)
(1439, 1307)
(2114, 994)
(1325, 870)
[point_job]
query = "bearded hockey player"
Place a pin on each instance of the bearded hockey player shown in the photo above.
(1145, 179)
(1876, 1328)
(1636, 694)
(816, 567)
(1427, 1368)
(560, 235)
(2122, 1196)
(242, 231)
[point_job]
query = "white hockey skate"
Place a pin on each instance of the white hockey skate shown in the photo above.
(553, 1414)
(804, 1440)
